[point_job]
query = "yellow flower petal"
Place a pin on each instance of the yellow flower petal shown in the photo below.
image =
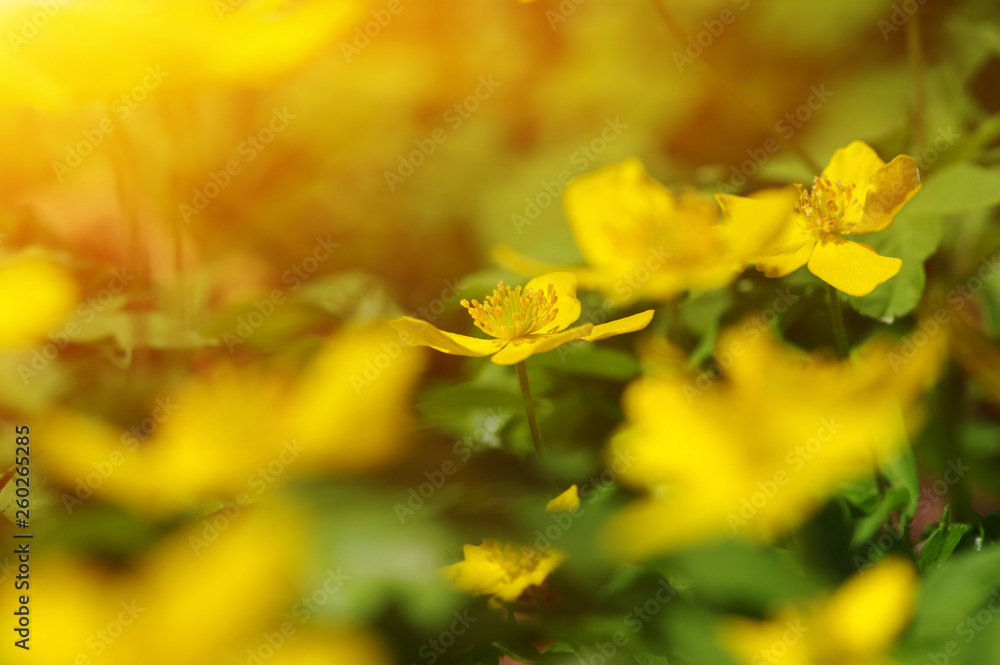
(566, 301)
(786, 250)
(607, 209)
(35, 296)
(502, 569)
(567, 502)
(521, 348)
(621, 326)
(851, 267)
(854, 165)
(890, 188)
(756, 223)
(867, 613)
(507, 257)
(420, 333)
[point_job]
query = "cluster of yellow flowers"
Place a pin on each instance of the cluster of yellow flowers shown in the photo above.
(756, 452)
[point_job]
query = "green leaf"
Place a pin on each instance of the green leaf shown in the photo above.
(942, 542)
(901, 472)
(951, 593)
(862, 493)
(588, 360)
(911, 238)
(701, 314)
(955, 190)
(868, 526)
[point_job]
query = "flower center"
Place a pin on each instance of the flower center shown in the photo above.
(826, 203)
(511, 313)
(514, 561)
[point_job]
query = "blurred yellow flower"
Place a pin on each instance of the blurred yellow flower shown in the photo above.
(855, 626)
(567, 502)
(233, 433)
(65, 53)
(522, 322)
(856, 194)
(35, 296)
(503, 570)
(221, 598)
(641, 241)
(755, 452)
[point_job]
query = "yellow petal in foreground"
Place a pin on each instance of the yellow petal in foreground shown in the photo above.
(348, 408)
(857, 625)
(35, 296)
(192, 583)
(777, 434)
(235, 433)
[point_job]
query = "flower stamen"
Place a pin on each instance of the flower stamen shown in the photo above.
(510, 313)
(826, 204)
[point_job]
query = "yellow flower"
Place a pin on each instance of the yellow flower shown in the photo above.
(567, 502)
(234, 432)
(193, 583)
(855, 626)
(35, 295)
(522, 322)
(641, 241)
(503, 570)
(856, 194)
(755, 452)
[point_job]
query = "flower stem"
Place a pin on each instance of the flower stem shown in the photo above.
(837, 317)
(529, 407)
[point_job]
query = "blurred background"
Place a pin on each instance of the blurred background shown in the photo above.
(216, 204)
